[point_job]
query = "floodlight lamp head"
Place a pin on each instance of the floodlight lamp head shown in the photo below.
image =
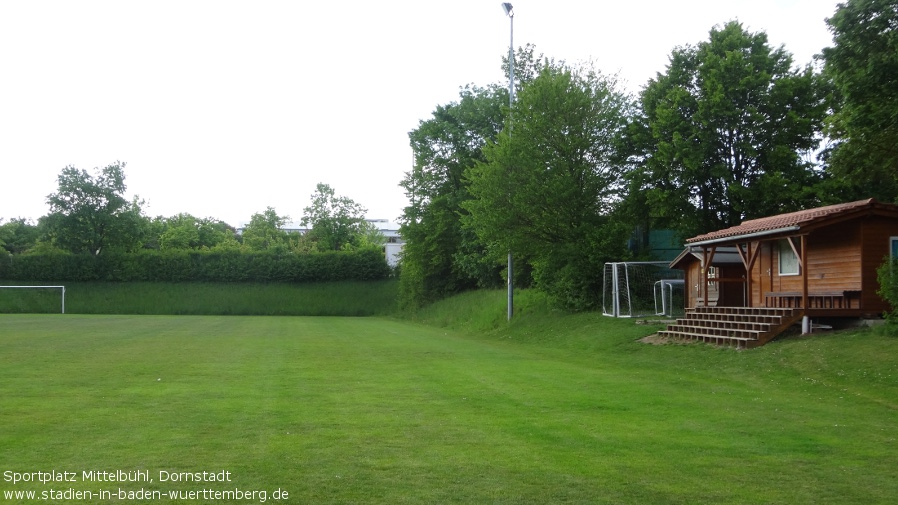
(509, 10)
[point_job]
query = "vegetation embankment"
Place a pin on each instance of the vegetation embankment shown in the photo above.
(453, 404)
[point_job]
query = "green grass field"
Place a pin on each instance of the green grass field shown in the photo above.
(552, 408)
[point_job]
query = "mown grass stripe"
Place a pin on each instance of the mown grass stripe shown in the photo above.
(550, 409)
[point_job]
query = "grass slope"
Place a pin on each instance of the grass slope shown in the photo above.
(551, 408)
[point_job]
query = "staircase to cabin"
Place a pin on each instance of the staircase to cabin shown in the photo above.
(740, 327)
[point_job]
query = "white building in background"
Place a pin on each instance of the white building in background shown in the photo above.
(394, 242)
(390, 230)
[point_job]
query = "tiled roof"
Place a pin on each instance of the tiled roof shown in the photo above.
(790, 220)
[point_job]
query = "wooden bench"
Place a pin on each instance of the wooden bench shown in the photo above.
(816, 300)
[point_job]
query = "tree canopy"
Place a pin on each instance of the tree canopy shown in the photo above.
(440, 257)
(265, 231)
(863, 68)
(726, 133)
(338, 222)
(549, 181)
(18, 235)
(184, 231)
(89, 213)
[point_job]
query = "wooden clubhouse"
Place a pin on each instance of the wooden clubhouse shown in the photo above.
(746, 284)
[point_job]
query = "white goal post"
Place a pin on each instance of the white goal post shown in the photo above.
(641, 288)
(62, 288)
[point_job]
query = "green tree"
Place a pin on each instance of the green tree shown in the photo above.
(338, 222)
(89, 213)
(528, 65)
(265, 231)
(181, 232)
(887, 276)
(18, 235)
(863, 68)
(550, 181)
(440, 257)
(726, 133)
(215, 233)
(185, 231)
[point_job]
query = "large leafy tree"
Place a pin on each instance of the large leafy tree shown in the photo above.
(89, 213)
(548, 184)
(440, 257)
(863, 67)
(18, 235)
(726, 133)
(265, 232)
(338, 222)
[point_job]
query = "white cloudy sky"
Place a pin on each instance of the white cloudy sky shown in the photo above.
(221, 108)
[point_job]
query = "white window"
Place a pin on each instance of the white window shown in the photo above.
(893, 247)
(788, 260)
(712, 275)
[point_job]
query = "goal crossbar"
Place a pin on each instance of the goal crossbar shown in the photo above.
(62, 288)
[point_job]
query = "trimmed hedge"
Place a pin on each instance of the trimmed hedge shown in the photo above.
(197, 266)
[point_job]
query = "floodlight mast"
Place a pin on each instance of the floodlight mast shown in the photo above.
(509, 11)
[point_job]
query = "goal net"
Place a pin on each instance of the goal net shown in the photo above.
(642, 288)
(32, 299)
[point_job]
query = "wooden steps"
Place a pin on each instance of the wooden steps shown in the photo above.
(740, 327)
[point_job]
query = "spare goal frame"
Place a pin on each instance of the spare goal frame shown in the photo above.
(630, 288)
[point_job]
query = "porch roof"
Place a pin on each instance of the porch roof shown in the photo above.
(726, 255)
(792, 221)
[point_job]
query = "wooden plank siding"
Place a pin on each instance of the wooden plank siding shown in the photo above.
(834, 256)
(834, 259)
(760, 275)
(691, 286)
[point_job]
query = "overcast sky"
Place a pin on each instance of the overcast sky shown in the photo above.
(223, 108)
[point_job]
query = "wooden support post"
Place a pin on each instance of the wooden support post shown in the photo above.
(803, 265)
(706, 264)
(705, 267)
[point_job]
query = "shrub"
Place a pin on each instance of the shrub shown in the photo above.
(198, 266)
(887, 275)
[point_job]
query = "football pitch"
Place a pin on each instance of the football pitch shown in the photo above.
(234, 409)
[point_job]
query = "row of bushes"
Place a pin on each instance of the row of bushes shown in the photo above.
(197, 266)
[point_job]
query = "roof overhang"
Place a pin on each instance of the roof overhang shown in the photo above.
(746, 236)
(724, 256)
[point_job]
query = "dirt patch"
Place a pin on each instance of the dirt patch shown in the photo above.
(656, 339)
(659, 322)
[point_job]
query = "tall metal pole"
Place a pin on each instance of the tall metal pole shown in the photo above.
(510, 13)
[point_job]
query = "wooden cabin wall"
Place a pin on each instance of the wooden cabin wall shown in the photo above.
(760, 282)
(834, 259)
(834, 264)
(693, 276)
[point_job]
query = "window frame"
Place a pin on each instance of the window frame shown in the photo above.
(784, 250)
